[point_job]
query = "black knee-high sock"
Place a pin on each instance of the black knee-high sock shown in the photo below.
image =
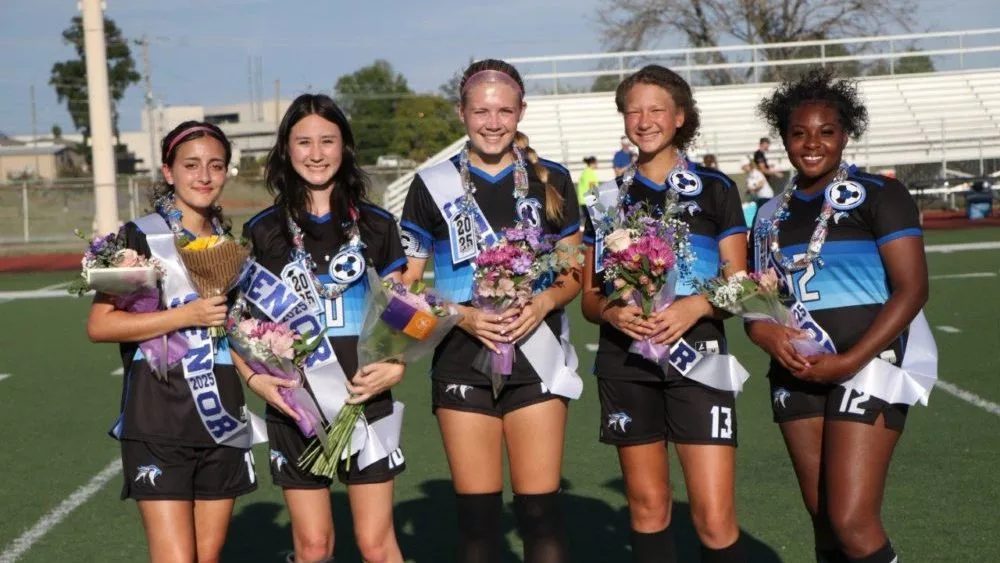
(479, 527)
(539, 519)
(657, 547)
(885, 554)
(731, 554)
(825, 555)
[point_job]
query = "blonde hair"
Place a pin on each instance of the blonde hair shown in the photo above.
(553, 199)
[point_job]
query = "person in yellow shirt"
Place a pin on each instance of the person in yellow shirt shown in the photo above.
(588, 179)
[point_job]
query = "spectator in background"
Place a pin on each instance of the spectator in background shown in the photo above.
(623, 157)
(760, 158)
(758, 188)
(979, 200)
(588, 180)
(709, 161)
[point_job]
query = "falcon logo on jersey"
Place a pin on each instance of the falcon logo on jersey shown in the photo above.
(347, 266)
(619, 421)
(690, 207)
(457, 389)
(413, 245)
(780, 396)
(888, 356)
(544, 388)
(530, 211)
(685, 183)
(846, 195)
(278, 460)
(148, 474)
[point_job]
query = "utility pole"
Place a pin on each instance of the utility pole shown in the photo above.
(277, 103)
(99, 102)
(144, 44)
(34, 133)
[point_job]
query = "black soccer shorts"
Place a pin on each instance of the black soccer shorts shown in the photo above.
(793, 399)
(170, 472)
(678, 410)
(479, 399)
(287, 444)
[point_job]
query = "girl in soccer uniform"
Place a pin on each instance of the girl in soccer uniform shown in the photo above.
(850, 246)
(184, 466)
(320, 207)
(642, 405)
(508, 182)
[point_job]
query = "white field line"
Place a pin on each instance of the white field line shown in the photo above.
(4, 376)
(967, 396)
(34, 294)
(965, 246)
(56, 286)
(25, 541)
(948, 329)
(118, 372)
(591, 347)
(964, 276)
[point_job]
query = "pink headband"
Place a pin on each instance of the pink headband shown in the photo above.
(180, 137)
(492, 76)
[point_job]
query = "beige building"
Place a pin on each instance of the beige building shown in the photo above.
(30, 161)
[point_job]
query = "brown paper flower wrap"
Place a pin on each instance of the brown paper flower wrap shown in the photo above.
(214, 265)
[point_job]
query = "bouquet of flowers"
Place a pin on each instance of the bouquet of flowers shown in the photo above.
(214, 264)
(401, 324)
(111, 268)
(523, 262)
(645, 253)
(756, 297)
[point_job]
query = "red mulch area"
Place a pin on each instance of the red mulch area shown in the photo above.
(957, 220)
(40, 263)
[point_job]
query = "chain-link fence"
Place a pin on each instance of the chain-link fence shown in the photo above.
(34, 212)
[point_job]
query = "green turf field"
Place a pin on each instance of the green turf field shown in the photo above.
(61, 396)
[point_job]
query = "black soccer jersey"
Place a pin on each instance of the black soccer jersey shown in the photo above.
(846, 291)
(425, 225)
(712, 215)
(343, 316)
(164, 411)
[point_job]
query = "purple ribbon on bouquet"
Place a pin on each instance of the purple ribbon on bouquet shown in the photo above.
(656, 353)
(308, 414)
(162, 352)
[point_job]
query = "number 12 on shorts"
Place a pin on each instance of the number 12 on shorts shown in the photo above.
(722, 423)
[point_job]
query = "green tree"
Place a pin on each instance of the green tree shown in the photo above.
(606, 83)
(905, 64)
(424, 125)
(370, 95)
(69, 78)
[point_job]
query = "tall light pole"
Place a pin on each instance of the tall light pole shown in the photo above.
(99, 102)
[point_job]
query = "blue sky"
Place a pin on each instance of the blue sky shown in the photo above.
(200, 47)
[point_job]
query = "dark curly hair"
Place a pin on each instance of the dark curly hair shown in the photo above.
(289, 189)
(678, 89)
(816, 86)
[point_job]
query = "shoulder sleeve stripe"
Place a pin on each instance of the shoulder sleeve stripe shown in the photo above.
(397, 264)
(554, 165)
(417, 230)
(726, 180)
(570, 230)
(378, 210)
(732, 231)
(256, 218)
(589, 240)
(911, 232)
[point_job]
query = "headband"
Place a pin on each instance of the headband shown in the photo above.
(180, 137)
(492, 76)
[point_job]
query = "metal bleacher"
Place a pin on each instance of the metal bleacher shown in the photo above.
(915, 118)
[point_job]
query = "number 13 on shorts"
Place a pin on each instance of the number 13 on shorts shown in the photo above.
(722, 422)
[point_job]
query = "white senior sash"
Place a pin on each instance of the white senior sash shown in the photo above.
(553, 358)
(327, 380)
(598, 202)
(467, 228)
(718, 371)
(199, 362)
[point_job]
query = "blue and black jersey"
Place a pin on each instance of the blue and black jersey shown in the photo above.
(427, 228)
(849, 288)
(272, 248)
(712, 215)
(163, 411)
